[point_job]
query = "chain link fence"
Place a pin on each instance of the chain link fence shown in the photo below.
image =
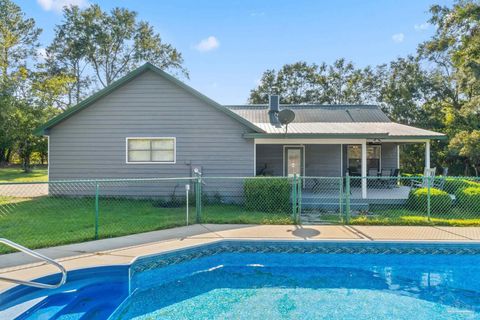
(47, 214)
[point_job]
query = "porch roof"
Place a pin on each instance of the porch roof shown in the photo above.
(331, 121)
(358, 129)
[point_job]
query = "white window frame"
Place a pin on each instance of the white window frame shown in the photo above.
(151, 162)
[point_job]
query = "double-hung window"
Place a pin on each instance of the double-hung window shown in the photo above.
(151, 150)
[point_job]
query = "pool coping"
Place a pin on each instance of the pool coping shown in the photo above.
(125, 250)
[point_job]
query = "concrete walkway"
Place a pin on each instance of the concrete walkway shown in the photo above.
(123, 250)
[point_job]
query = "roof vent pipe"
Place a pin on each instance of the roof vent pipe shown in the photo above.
(274, 103)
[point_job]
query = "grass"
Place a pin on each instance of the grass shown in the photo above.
(50, 221)
(454, 217)
(15, 174)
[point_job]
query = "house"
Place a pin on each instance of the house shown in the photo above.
(149, 124)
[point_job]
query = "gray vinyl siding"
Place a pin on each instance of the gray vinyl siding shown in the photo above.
(91, 144)
(320, 160)
(323, 160)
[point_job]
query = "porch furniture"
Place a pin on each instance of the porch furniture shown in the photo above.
(428, 174)
(384, 173)
(393, 182)
(439, 183)
(375, 182)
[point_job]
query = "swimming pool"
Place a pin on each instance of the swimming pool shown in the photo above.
(269, 280)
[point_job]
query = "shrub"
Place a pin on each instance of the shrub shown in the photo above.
(453, 185)
(468, 199)
(440, 201)
(267, 194)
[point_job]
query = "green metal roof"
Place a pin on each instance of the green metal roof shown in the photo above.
(120, 82)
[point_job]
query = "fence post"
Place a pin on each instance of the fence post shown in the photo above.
(198, 198)
(340, 197)
(97, 187)
(428, 197)
(299, 199)
(187, 189)
(294, 198)
(347, 198)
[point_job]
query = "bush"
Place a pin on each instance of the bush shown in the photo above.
(453, 185)
(267, 194)
(468, 199)
(440, 201)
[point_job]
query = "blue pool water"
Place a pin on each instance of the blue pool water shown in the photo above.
(269, 280)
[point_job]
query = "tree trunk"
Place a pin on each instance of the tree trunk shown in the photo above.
(8, 155)
(467, 167)
(2, 155)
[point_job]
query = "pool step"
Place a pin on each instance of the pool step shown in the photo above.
(48, 306)
(91, 302)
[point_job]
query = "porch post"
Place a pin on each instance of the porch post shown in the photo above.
(427, 154)
(364, 169)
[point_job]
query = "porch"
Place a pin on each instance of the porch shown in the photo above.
(362, 159)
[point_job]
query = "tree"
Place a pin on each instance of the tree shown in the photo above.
(455, 51)
(465, 144)
(301, 82)
(115, 43)
(18, 41)
(66, 56)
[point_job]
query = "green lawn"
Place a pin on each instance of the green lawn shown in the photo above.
(49, 221)
(406, 217)
(15, 174)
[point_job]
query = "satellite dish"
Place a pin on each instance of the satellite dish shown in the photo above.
(286, 116)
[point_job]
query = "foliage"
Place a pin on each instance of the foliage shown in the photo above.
(267, 194)
(110, 43)
(440, 201)
(301, 82)
(452, 185)
(466, 144)
(469, 198)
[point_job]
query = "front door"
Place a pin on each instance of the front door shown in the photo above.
(294, 161)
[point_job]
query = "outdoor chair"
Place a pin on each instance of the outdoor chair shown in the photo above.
(374, 182)
(439, 183)
(393, 182)
(384, 173)
(428, 174)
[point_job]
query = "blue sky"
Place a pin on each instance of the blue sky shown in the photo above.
(228, 44)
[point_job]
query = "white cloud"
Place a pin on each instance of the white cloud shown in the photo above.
(208, 44)
(398, 37)
(422, 26)
(58, 5)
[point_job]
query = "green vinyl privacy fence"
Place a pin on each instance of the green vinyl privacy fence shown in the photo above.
(53, 213)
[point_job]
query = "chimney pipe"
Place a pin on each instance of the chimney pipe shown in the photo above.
(274, 103)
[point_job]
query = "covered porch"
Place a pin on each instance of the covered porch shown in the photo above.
(324, 163)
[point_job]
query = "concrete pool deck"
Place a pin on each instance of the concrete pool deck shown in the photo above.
(123, 250)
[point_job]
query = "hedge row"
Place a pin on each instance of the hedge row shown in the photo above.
(468, 199)
(453, 185)
(267, 195)
(440, 201)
